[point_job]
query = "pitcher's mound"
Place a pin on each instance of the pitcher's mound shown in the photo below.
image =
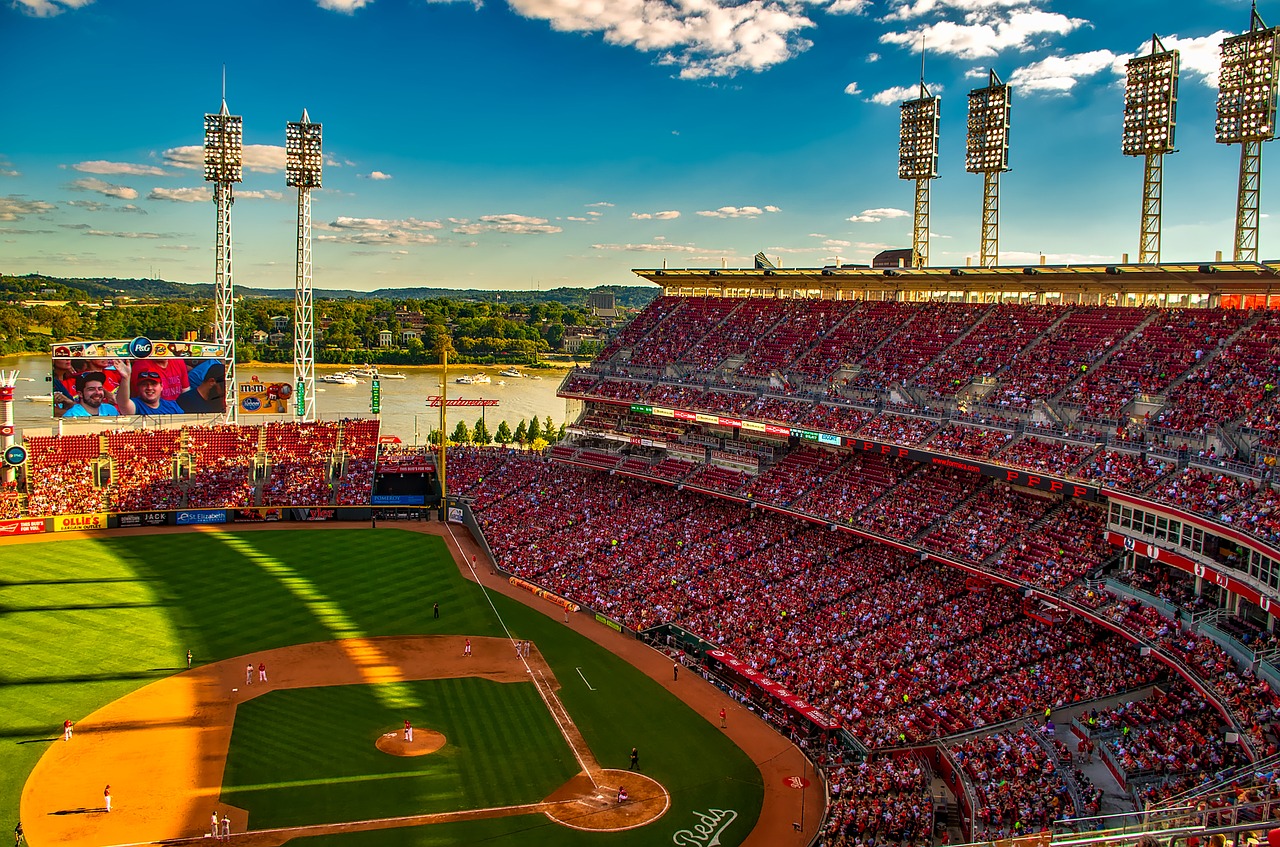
(581, 805)
(424, 741)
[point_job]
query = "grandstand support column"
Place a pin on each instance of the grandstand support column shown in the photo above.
(1248, 198)
(1152, 204)
(303, 159)
(920, 226)
(990, 252)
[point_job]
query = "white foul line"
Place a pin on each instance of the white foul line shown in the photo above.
(584, 679)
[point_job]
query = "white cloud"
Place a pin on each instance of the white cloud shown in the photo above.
(704, 38)
(117, 168)
(1200, 57)
(49, 8)
(738, 211)
(260, 195)
(379, 224)
(15, 207)
(895, 95)
(200, 194)
(259, 158)
(848, 7)
(852, 88)
(510, 224)
(986, 38)
(345, 6)
(375, 175)
(577, 219)
(658, 247)
(1059, 74)
(379, 231)
(655, 216)
(871, 216)
(600, 204)
(873, 57)
(147, 235)
(88, 183)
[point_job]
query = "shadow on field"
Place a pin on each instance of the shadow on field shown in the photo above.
(83, 810)
(83, 607)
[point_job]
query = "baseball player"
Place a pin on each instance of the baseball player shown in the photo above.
(262, 672)
(66, 730)
(188, 660)
(106, 797)
(466, 651)
(213, 824)
(17, 834)
(226, 825)
(722, 717)
(248, 674)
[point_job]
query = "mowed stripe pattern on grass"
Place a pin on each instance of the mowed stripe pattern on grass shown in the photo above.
(502, 749)
(194, 591)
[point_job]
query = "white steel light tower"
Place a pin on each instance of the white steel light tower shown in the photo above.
(918, 160)
(223, 151)
(1150, 117)
(1247, 116)
(987, 153)
(302, 170)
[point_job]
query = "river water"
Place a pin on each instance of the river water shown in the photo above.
(404, 409)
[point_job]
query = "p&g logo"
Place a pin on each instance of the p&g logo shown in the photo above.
(140, 347)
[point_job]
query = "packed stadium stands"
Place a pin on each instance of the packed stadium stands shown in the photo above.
(906, 515)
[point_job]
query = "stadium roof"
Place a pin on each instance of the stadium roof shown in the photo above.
(1210, 279)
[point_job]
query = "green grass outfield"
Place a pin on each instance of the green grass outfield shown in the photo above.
(84, 622)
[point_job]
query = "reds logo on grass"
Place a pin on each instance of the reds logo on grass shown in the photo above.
(707, 831)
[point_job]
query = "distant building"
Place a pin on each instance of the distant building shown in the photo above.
(280, 322)
(386, 338)
(603, 305)
(258, 336)
(278, 339)
(407, 334)
(900, 258)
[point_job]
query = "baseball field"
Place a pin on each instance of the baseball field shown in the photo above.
(507, 749)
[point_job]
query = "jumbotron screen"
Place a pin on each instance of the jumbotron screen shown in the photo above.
(138, 376)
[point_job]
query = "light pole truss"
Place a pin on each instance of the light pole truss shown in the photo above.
(987, 153)
(918, 160)
(1247, 116)
(303, 162)
(1150, 119)
(223, 154)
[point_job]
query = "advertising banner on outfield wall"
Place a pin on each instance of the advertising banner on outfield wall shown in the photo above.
(136, 519)
(398, 499)
(23, 527)
(201, 516)
(312, 514)
(257, 515)
(76, 523)
(455, 514)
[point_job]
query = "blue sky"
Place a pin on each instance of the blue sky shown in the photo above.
(541, 143)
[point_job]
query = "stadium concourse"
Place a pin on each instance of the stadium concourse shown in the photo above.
(1000, 567)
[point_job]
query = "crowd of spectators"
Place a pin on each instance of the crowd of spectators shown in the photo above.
(1018, 785)
(896, 649)
(60, 475)
(881, 800)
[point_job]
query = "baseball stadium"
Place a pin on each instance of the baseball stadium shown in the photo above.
(853, 555)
